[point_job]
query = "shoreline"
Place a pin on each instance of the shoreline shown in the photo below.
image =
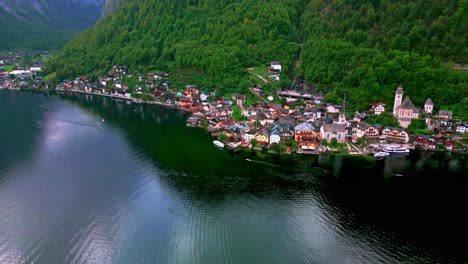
(169, 106)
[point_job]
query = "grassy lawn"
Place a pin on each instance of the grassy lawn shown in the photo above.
(9, 67)
(51, 76)
(260, 70)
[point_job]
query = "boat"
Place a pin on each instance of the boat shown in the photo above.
(218, 143)
(381, 154)
(396, 150)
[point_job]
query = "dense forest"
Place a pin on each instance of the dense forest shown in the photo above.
(44, 24)
(363, 49)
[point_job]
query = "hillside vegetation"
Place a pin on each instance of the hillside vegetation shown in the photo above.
(44, 24)
(364, 49)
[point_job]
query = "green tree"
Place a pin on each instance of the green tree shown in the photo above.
(237, 113)
(275, 147)
(333, 142)
(385, 119)
(282, 147)
(417, 124)
(324, 142)
(362, 140)
(253, 142)
(222, 137)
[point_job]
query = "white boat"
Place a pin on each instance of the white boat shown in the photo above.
(396, 149)
(218, 143)
(381, 154)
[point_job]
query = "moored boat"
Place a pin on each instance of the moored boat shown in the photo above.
(396, 150)
(218, 143)
(381, 154)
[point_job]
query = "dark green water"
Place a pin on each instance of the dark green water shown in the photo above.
(140, 187)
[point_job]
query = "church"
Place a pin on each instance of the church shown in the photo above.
(404, 109)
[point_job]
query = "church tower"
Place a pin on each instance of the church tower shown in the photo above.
(342, 116)
(398, 98)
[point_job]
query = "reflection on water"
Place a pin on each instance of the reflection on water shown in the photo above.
(140, 187)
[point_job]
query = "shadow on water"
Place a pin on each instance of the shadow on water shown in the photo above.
(419, 197)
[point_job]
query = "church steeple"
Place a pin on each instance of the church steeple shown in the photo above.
(398, 98)
(342, 116)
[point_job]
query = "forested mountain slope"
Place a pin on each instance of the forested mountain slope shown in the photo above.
(45, 24)
(367, 48)
(360, 48)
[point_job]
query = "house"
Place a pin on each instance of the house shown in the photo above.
(307, 135)
(275, 66)
(445, 114)
(378, 108)
(249, 111)
(239, 99)
(330, 131)
(286, 132)
(274, 77)
(184, 102)
(191, 91)
(428, 106)
(462, 128)
(262, 137)
(397, 134)
(248, 136)
(275, 136)
(333, 108)
(365, 129)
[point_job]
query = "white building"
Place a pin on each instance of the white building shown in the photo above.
(428, 106)
(275, 136)
(462, 128)
(380, 108)
(276, 66)
(398, 99)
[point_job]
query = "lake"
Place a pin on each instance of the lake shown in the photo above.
(95, 180)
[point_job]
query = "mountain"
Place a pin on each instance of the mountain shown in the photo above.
(45, 23)
(360, 48)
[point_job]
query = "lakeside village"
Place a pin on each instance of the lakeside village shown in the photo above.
(303, 123)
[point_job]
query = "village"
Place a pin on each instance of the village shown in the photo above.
(22, 70)
(286, 122)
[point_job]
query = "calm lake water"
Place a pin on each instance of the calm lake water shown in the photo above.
(141, 187)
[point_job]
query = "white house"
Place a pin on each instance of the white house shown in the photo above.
(378, 109)
(333, 109)
(428, 106)
(35, 69)
(462, 128)
(274, 77)
(276, 66)
(275, 136)
(248, 136)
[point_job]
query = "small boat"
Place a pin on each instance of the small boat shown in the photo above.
(396, 150)
(398, 174)
(218, 143)
(102, 120)
(381, 154)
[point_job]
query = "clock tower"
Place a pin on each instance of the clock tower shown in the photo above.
(398, 98)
